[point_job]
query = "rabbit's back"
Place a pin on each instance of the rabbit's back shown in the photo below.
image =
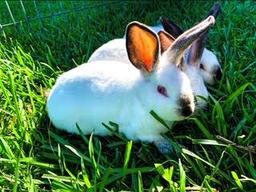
(85, 95)
(113, 50)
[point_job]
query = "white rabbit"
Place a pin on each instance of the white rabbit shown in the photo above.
(210, 68)
(103, 91)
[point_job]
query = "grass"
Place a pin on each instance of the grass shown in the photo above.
(215, 149)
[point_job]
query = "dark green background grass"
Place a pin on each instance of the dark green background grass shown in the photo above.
(214, 149)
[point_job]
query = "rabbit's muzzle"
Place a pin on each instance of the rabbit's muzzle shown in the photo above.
(186, 106)
(218, 74)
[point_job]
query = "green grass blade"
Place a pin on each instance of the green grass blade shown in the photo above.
(140, 182)
(127, 154)
(182, 178)
(237, 180)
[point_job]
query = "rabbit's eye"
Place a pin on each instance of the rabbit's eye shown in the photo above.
(162, 90)
(202, 66)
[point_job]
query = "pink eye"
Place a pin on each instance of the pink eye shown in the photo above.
(162, 90)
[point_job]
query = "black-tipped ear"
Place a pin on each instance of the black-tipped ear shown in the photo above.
(214, 11)
(166, 40)
(170, 27)
(142, 46)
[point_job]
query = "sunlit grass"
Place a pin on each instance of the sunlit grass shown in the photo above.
(213, 150)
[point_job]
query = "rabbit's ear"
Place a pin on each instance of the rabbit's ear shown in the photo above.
(166, 40)
(176, 51)
(196, 50)
(170, 27)
(142, 46)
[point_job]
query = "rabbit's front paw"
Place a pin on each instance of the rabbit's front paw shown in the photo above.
(164, 146)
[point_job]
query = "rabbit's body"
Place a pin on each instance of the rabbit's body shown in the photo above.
(85, 96)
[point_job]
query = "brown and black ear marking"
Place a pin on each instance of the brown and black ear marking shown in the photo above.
(166, 40)
(142, 46)
(170, 27)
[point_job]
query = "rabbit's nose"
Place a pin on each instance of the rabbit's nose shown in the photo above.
(186, 106)
(218, 74)
(186, 111)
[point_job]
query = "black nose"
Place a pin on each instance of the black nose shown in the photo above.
(218, 74)
(186, 111)
(186, 108)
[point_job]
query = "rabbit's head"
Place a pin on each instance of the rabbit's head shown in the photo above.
(164, 87)
(209, 66)
(192, 57)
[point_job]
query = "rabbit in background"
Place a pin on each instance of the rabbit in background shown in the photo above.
(209, 65)
(103, 91)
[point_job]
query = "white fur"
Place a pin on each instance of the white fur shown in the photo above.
(113, 50)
